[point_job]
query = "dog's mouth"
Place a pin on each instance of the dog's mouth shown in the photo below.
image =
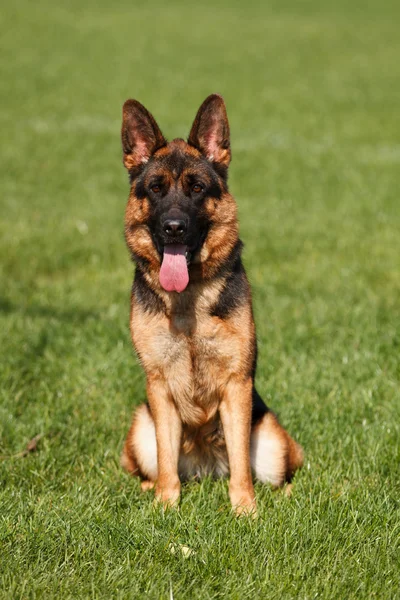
(174, 273)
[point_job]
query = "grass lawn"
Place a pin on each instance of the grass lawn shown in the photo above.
(313, 95)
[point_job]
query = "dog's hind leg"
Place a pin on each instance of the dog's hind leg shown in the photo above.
(274, 455)
(139, 456)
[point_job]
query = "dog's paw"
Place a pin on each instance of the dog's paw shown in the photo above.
(167, 497)
(146, 485)
(243, 503)
(246, 511)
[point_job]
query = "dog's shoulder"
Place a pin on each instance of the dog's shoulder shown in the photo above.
(235, 292)
(144, 296)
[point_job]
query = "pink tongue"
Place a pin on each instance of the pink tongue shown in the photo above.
(174, 275)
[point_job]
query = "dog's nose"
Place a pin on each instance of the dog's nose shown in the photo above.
(174, 227)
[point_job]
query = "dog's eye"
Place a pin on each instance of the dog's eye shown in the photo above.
(156, 189)
(197, 188)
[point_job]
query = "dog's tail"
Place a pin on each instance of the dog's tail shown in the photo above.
(295, 458)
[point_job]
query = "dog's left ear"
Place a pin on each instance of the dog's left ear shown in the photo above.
(210, 131)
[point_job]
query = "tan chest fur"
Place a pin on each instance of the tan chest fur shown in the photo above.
(193, 353)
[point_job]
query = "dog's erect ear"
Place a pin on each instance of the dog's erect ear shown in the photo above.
(210, 131)
(141, 136)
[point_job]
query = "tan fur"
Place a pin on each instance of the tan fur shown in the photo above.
(196, 361)
(274, 455)
(198, 366)
(195, 355)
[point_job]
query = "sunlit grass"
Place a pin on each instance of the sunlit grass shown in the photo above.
(312, 92)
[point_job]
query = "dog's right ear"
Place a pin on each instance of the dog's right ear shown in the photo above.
(140, 134)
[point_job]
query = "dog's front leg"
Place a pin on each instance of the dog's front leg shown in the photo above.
(168, 428)
(235, 413)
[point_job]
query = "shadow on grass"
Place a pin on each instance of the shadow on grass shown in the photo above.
(71, 315)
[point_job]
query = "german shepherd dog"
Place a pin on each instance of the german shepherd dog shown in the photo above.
(191, 317)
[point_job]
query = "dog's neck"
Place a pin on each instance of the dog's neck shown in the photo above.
(198, 297)
(202, 297)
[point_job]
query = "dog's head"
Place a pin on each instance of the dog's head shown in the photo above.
(180, 221)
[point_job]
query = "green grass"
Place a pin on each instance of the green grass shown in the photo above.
(313, 93)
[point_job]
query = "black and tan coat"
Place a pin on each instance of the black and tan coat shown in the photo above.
(196, 339)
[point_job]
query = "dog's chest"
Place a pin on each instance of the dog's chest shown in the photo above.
(202, 356)
(195, 359)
